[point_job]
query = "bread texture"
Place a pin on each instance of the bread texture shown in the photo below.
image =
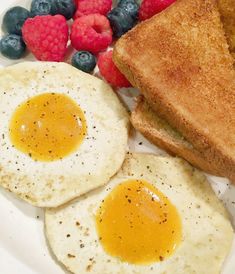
(227, 11)
(159, 132)
(180, 61)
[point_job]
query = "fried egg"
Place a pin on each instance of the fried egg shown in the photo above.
(156, 215)
(63, 132)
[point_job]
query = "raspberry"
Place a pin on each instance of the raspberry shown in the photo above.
(110, 72)
(85, 7)
(46, 37)
(91, 33)
(149, 8)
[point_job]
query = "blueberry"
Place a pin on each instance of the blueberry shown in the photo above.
(130, 6)
(66, 8)
(120, 21)
(84, 60)
(12, 46)
(14, 19)
(43, 7)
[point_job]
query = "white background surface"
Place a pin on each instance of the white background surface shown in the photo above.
(23, 248)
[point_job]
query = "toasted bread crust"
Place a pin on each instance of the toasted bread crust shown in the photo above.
(180, 61)
(160, 133)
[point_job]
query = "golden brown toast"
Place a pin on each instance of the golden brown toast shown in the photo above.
(160, 133)
(180, 61)
(227, 11)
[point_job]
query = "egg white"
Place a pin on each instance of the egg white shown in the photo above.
(50, 184)
(207, 232)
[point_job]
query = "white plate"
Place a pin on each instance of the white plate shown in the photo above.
(23, 248)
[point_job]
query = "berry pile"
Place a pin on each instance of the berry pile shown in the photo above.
(95, 25)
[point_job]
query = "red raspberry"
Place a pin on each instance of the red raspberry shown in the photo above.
(46, 37)
(85, 7)
(92, 33)
(149, 8)
(110, 72)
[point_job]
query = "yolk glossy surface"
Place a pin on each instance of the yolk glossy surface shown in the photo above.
(48, 127)
(138, 224)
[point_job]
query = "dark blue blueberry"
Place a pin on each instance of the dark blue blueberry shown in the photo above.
(130, 6)
(14, 19)
(120, 21)
(12, 46)
(66, 8)
(84, 60)
(43, 7)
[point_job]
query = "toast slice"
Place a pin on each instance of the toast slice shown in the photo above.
(161, 134)
(180, 61)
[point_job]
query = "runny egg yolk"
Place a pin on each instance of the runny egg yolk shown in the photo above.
(48, 127)
(138, 224)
